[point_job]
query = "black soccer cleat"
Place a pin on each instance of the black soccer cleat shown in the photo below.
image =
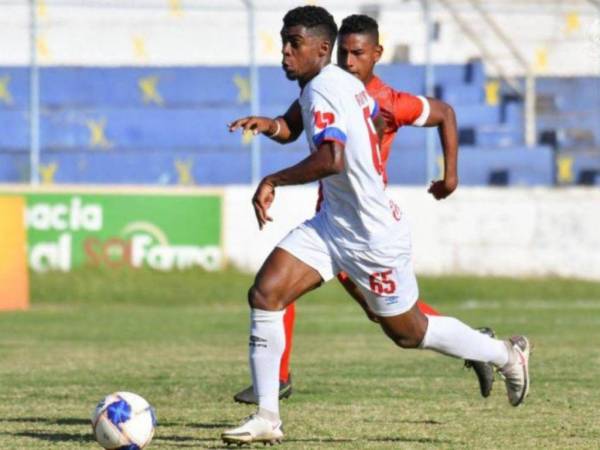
(484, 371)
(247, 395)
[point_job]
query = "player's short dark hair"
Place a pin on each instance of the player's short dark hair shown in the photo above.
(314, 18)
(360, 24)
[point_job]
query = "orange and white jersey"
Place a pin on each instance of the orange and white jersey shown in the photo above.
(397, 110)
(336, 107)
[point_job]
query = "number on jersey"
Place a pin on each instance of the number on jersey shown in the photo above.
(374, 139)
(381, 283)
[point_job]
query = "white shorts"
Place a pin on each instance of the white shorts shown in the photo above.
(384, 275)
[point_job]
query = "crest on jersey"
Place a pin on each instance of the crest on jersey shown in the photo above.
(323, 120)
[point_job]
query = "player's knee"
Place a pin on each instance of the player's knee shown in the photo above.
(258, 298)
(410, 338)
(406, 341)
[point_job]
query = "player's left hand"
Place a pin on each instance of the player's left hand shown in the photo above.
(262, 201)
(441, 189)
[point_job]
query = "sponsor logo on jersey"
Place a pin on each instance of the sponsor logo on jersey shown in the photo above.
(323, 119)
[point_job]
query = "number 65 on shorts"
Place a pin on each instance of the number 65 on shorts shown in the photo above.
(385, 275)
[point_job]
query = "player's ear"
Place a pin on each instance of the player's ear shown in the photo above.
(325, 48)
(378, 52)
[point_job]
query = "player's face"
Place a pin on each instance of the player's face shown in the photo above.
(358, 54)
(302, 52)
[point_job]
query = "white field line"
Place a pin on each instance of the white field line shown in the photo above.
(531, 304)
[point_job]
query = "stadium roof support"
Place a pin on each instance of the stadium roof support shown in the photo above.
(34, 98)
(429, 90)
(254, 90)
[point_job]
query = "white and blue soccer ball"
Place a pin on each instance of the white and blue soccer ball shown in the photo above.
(123, 421)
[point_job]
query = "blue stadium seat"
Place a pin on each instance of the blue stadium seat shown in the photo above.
(131, 124)
(403, 77)
(275, 88)
(15, 81)
(120, 87)
(525, 167)
(14, 167)
(499, 136)
(143, 128)
(463, 94)
(14, 130)
(411, 137)
(585, 167)
(476, 114)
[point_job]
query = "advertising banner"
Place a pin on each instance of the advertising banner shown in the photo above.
(14, 284)
(160, 231)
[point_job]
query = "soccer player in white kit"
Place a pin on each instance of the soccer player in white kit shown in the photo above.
(359, 230)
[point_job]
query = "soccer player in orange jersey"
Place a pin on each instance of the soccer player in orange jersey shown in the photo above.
(358, 51)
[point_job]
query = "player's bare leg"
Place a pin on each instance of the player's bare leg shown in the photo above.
(285, 378)
(449, 336)
(282, 279)
(483, 370)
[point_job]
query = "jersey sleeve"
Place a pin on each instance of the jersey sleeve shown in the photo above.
(410, 109)
(328, 120)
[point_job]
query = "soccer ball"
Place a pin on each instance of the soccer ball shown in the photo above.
(123, 421)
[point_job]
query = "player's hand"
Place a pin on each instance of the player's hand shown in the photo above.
(441, 189)
(262, 201)
(254, 125)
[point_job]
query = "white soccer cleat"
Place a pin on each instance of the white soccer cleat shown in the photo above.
(516, 371)
(254, 429)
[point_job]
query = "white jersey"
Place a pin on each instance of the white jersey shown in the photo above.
(358, 212)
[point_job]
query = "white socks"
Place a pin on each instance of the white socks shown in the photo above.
(452, 337)
(267, 342)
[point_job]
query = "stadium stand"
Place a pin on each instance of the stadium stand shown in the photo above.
(143, 125)
(146, 100)
(101, 125)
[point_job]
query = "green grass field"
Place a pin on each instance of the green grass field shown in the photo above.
(180, 340)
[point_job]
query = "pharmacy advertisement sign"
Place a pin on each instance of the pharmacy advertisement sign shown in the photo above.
(163, 232)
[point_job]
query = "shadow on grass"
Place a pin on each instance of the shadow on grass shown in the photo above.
(409, 439)
(55, 437)
(334, 441)
(48, 435)
(173, 441)
(204, 426)
(421, 422)
(194, 442)
(78, 421)
(46, 420)
(376, 439)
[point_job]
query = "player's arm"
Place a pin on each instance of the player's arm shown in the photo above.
(282, 129)
(421, 111)
(441, 115)
(327, 160)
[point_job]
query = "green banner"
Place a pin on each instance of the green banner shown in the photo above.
(164, 232)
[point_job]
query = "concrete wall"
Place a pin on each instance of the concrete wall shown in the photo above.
(482, 231)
